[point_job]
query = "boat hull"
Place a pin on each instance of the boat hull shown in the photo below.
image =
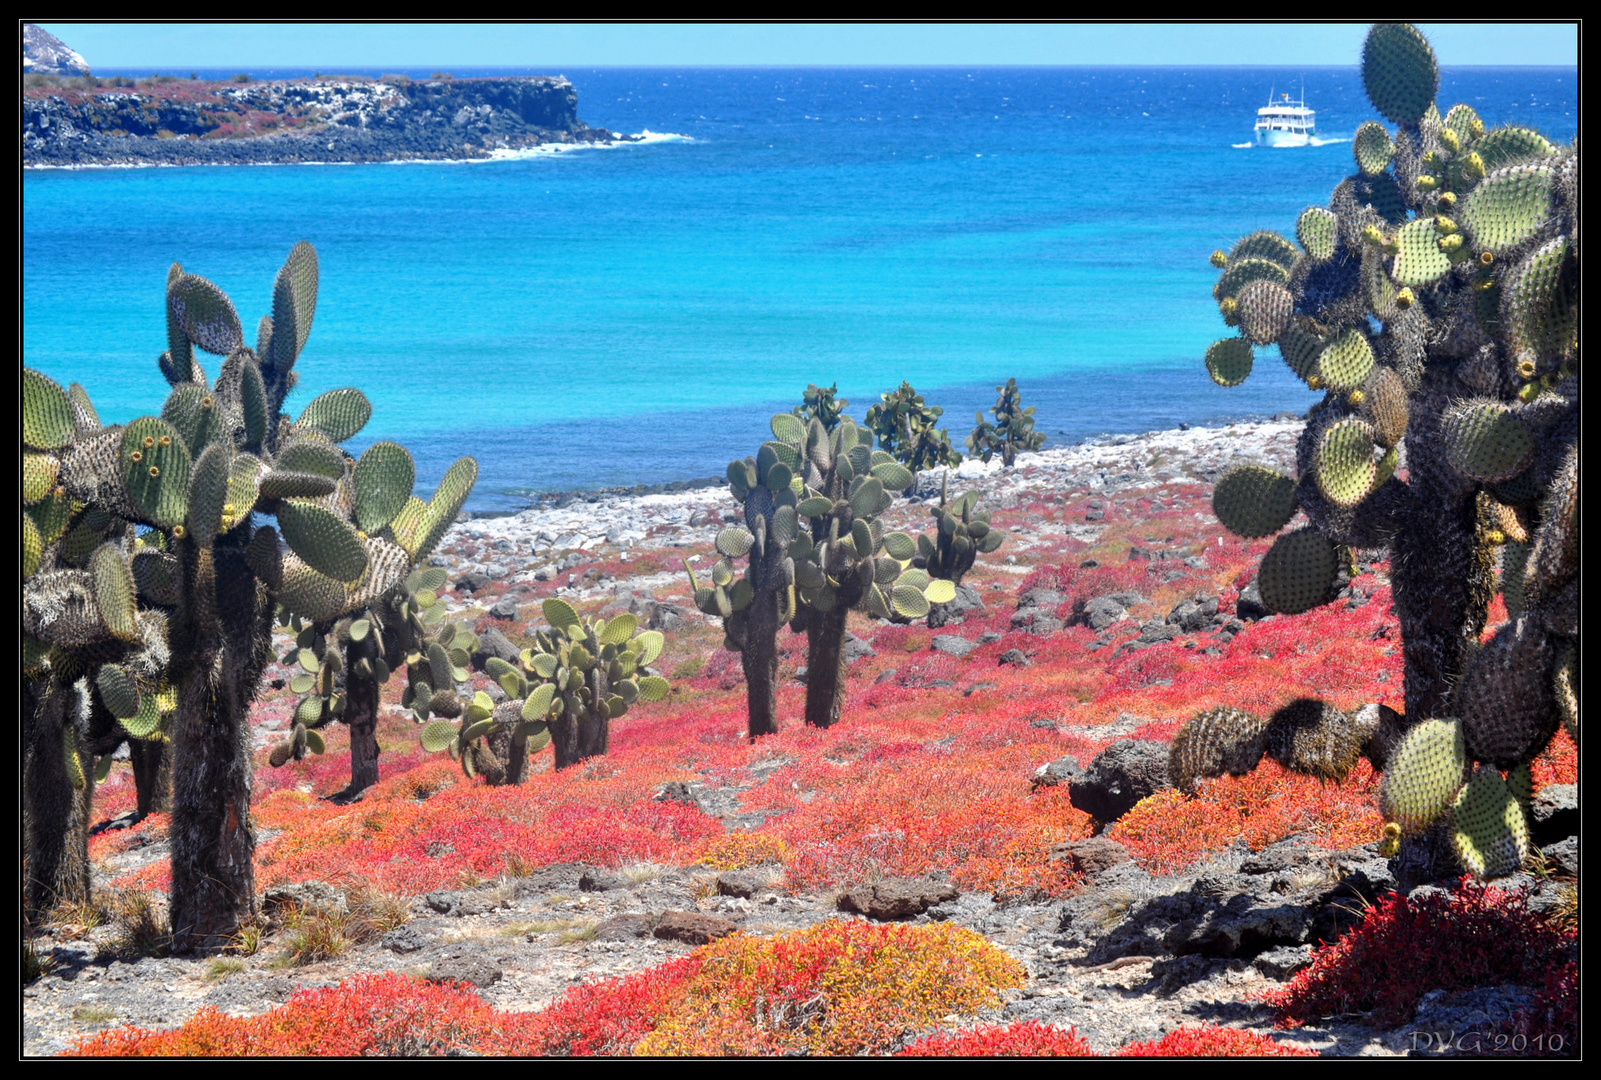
(1282, 138)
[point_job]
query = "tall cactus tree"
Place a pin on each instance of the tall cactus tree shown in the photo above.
(907, 430)
(200, 476)
(1434, 300)
(1011, 433)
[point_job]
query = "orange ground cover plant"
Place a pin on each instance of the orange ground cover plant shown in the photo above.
(1208, 1041)
(1028, 1039)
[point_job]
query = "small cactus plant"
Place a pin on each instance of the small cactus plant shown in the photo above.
(905, 429)
(961, 533)
(1434, 300)
(1012, 432)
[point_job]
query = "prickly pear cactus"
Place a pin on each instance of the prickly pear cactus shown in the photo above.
(906, 429)
(820, 404)
(577, 677)
(961, 533)
(1011, 433)
(1434, 300)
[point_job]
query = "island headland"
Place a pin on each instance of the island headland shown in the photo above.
(165, 120)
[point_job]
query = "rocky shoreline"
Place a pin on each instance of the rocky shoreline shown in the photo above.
(85, 122)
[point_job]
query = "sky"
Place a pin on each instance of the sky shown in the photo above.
(112, 46)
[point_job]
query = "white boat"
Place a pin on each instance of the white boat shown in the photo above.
(1285, 122)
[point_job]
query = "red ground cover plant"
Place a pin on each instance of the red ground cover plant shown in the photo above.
(1168, 831)
(385, 1015)
(1028, 1039)
(1405, 947)
(1213, 1042)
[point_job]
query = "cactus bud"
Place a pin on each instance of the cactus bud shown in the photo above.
(1447, 200)
(1449, 140)
(1526, 368)
(148, 441)
(1449, 244)
(1373, 235)
(1486, 258)
(206, 402)
(1427, 183)
(1432, 161)
(1391, 841)
(1444, 225)
(166, 440)
(1495, 536)
(155, 471)
(1355, 397)
(1475, 166)
(1314, 382)
(136, 456)
(179, 532)
(1528, 392)
(1219, 259)
(1404, 299)
(1476, 128)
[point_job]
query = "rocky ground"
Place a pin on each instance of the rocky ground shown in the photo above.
(1128, 957)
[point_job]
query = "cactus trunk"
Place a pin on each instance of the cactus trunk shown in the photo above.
(759, 658)
(56, 813)
(152, 775)
(361, 713)
(825, 666)
(213, 879)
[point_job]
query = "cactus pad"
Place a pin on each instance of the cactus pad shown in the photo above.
(205, 314)
(1509, 206)
(1265, 244)
(1297, 572)
(1313, 737)
(311, 453)
(1300, 351)
(1465, 123)
(1229, 361)
(1264, 309)
(38, 476)
(326, 542)
(307, 593)
(114, 591)
(1511, 146)
(1399, 72)
(1540, 303)
(1384, 405)
(1214, 742)
(208, 493)
(1372, 148)
(281, 484)
(382, 481)
(1419, 260)
(1242, 273)
(338, 414)
(294, 302)
(1318, 232)
(1424, 774)
(32, 547)
(155, 575)
(244, 487)
(1486, 441)
(117, 691)
(155, 467)
(1252, 501)
(47, 422)
(1505, 696)
(1345, 362)
(1344, 462)
(1490, 829)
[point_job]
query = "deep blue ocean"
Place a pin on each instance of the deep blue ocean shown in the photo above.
(614, 316)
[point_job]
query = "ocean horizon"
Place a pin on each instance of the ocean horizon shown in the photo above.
(633, 314)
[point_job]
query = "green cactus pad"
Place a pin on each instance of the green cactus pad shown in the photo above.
(1508, 714)
(1490, 830)
(789, 429)
(32, 547)
(1384, 405)
(326, 542)
(1486, 441)
(308, 593)
(84, 417)
(205, 314)
(1265, 309)
(1242, 273)
(114, 591)
(862, 538)
(893, 475)
(155, 467)
(192, 410)
(264, 557)
(1229, 361)
(1300, 351)
(1372, 148)
(208, 494)
(311, 452)
(244, 488)
(785, 527)
(1540, 305)
(1344, 462)
(1315, 738)
(1252, 501)
(1381, 291)
(1265, 244)
(1466, 123)
(117, 691)
(1508, 207)
(1297, 572)
(1420, 260)
(38, 476)
(442, 509)
(898, 545)
(1346, 361)
(1214, 742)
(146, 723)
(294, 302)
(253, 405)
(1512, 146)
(280, 484)
(382, 482)
(1399, 72)
(1423, 775)
(1565, 690)
(338, 414)
(47, 422)
(1318, 232)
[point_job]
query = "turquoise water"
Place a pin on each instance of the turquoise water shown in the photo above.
(632, 315)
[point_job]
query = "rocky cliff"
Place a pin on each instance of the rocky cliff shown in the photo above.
(170, 121)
